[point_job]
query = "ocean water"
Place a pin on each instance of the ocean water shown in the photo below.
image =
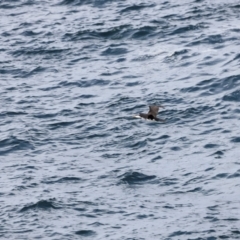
(75, 164)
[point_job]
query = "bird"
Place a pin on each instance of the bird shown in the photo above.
(152, 114)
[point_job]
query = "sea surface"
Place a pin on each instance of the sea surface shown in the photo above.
(75, 164)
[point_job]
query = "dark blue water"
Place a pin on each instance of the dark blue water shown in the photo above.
(75, 164)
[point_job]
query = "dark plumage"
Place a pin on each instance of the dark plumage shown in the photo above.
(152, 113)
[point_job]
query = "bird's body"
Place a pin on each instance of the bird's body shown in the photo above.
(151, 115)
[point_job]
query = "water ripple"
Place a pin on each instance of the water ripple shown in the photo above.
(135, 178)
(75, 163)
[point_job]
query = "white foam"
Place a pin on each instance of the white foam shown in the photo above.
(137, 116)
